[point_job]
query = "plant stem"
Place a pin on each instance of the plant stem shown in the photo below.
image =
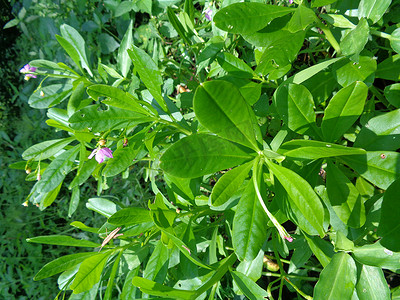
(381, 34)
(329, 36)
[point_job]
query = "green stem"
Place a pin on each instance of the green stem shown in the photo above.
(381, 34)
(306, 278)
(329, 36)
(298, 290)
(173, 124)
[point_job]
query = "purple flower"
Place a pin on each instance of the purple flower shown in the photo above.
(101, 153)
(208, 14)
(290, 1)
(26, 70)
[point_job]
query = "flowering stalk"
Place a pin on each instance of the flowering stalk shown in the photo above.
(282, 231)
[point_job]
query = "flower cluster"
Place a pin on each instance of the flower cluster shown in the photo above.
(27, 69)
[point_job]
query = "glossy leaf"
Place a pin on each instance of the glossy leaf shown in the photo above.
(130, 216)
(381, 133)
(153, 288)
(102, 206)
(70, 49)
(346, 72)
(234, 66)
(354, 42)
(295, 106)
(61, 264)
(392, 94)
(377, 255)
(389, 68)
(372, 285)
(112, 118)
(157, 265)
(149, 73)
(322, 249)
(343, 110)
(229, 183)
(378, 167)
(235, 18)
(344, 197)
(89, 272)
(76, 98)
(395, 40)
(201, 154)
(248, 287)
(389, 226)
(62, 240)
(50, 95)
(74, 201)
(249, 225)
(75, 39)
(318, 3)
(338, 279)
(123, 158)
(57, 170)
(309, 149)
(84, 173)
(46, 149)
(116, 97)
(233, 119)
(302, 17)
(372, 9)
(123, 60)
(301, 195)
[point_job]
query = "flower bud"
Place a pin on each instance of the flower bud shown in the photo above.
(28, 170)
(102, 142)
(271, 265)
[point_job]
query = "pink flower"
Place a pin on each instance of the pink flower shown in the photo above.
(208, 14)
(288, 238)
(290, 1)
(26, 70)
(101, 153)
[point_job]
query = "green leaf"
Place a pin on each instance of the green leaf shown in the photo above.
(302, 17)
(83, 227)
(76, 40)
(11, 23)
(248, 287)
(319, 3)
(57, 170)
(84, 173)
(372, 285)
(130, 216)
(70, 49)
(308, 149)
(74, 201)
(62, 264)
(76, 98)
(381, 133)
(337, 20)
(201, 154)
(338, 279)
(233, 119)
(344, 197)
(343, 110)
(373, 9)
(295, 106)
(301, 195)
(389, 226)
(122, 159)
(107, 43)
(62, 240)
(378, 256)
(235, 18)
(379, 167)
(149, 74)
(346, 72)
(100, 121)
(392, 94)
(52, 95)
(116, 97)
(322, 249)
(395, 40)
(229, 183)
(234, 66)
(111, 279)
(183, 32)
(89, 272)
(102, 206)
(354, 42)
(156, 289)
(157, 265)
(46, 149)
(249, 225)
(123, 61)
(389, 68)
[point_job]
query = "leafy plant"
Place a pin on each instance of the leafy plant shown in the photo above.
(278, 144)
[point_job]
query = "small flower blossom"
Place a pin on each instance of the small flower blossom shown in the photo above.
(26, 70)
(208, 14)
(101, 153)
(290, 1)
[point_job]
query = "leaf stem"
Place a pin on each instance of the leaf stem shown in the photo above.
(329, 36)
